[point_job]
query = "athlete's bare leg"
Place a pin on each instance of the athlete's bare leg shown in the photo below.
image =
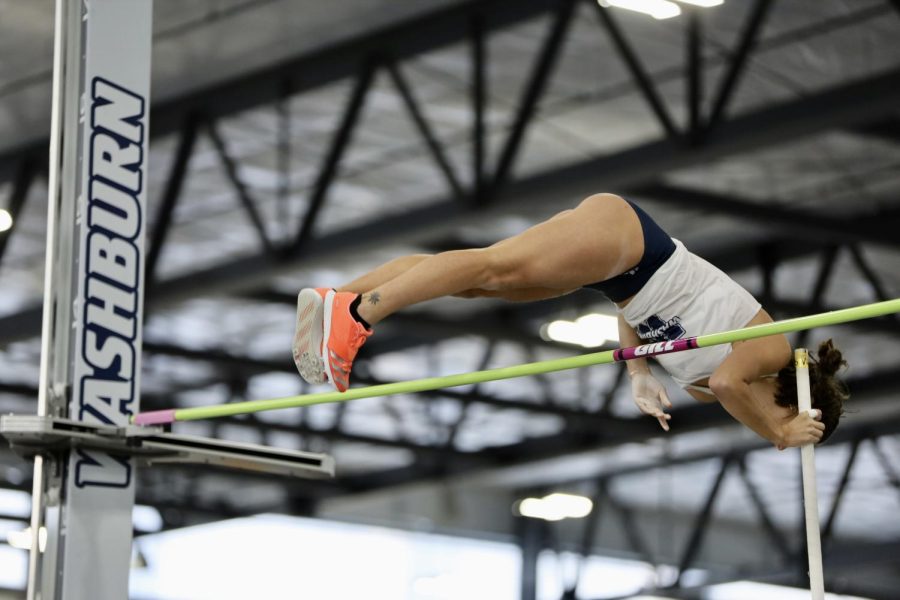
(396, 267)
(599, 239)
(383, 274)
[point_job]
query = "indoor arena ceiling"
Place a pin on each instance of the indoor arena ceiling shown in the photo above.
(302, 143)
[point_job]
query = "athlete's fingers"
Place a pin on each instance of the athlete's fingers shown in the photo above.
(665, 398)
(819, 425)
(815, 413)
(663, 422)
(659, 414)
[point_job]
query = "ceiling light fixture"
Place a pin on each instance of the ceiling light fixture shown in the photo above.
(6, 220)
(22, 539)
(658, 9)
(589, 331)
(555, 507)
(146, 518)
(703, 3)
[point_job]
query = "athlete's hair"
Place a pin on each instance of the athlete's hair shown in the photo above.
(828, 392)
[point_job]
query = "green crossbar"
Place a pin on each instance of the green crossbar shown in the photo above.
(836, 317)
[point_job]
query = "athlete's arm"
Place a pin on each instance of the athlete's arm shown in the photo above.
(649, 394)
(730, 383)
(627, 339)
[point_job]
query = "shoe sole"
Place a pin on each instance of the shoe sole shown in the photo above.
(307, 338)
(326, 336)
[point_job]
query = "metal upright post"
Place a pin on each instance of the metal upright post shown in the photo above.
(90, 354)
(531, 541)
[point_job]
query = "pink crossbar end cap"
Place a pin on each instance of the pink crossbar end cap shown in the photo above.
(155, 417)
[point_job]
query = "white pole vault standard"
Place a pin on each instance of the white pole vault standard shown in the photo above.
(90, 362)
(810, 497)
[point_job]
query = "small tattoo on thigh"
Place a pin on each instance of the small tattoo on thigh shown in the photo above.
(374, 298)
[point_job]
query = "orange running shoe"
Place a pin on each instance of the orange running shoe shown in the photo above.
(307, 347)
(343, 338)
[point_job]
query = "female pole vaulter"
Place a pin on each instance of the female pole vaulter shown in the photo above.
(662, 291)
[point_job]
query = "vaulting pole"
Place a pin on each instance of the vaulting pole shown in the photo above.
(810, 497)
(585, 360)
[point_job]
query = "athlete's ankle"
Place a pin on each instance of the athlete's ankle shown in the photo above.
(354, 312)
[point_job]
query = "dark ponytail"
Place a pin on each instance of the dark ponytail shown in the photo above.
(828, 392)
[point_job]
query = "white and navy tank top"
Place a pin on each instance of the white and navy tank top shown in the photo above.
(688, 297)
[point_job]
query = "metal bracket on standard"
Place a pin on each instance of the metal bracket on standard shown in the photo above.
(29, 435)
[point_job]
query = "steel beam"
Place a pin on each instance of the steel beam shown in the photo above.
(531, 538)
(537, 82)
(842, 106)
(868, 273)
(478, 101)
(230, 165)
(687, 419)
(641, 78)
(888, 468)
(702, 521)
(694, 77)
(745, 45)
(823, 277)
(895, 4)
(852, 103)
(775, 536)
(797, 223)
(341, 60)
(632, 531)
(171, 194)
(828, 528)
(424, 129)
(284, 146)
(339, 143)
(886, 129)
(404, 40)
(25, 175)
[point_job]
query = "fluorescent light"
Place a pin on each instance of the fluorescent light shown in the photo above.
(703, 3)
(15, 503)
(590, 331)
(22, 539)
(658, 9)
(146, 518)
(555, 507)
(6, 220)
(9, 525)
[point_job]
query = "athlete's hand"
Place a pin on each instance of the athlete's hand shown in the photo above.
(805, 428)
(651, 398)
